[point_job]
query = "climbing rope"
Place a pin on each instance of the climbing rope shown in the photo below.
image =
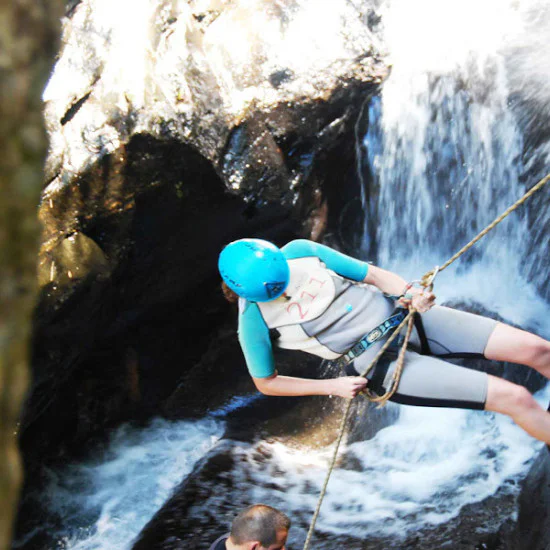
(383, 399)
(508, 211)
(341, 429)
(426, 282)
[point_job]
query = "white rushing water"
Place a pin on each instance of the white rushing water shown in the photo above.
(104, 504)
(418, 472)
(444, 146)
(445, 151)
(446, 155)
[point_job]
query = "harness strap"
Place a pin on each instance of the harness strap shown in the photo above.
(376, 383)
(371, 338)
(424, 344)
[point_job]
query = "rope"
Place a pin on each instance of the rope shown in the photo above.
(508, 211)
(341, 432)
(427, 282)
(341, 429)
(396, 377)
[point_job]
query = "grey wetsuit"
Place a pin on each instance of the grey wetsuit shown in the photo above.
(427, 379)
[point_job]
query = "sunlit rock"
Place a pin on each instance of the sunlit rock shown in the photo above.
(196, 70)
(175, 127)
(74, 258)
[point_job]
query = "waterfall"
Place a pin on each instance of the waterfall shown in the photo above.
(445, 153)
(445, 173)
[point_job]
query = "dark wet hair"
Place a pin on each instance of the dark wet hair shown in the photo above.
(259, 522)
(228, 294)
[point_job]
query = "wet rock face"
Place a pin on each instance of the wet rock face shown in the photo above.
(175, 128)
(532, 525)
(244, 83)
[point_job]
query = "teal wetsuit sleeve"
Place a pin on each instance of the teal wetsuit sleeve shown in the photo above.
(255, 342)
(348, 267)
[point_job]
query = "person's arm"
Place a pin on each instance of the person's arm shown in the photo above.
(346, 386)
(357, 270)
(257, 349)
(344, 265)
(391, 283)
(386, 281)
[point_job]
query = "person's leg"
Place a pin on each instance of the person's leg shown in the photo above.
(430, 382)
(455, 333)
(507, 343)
(449, 333)
(517, 402)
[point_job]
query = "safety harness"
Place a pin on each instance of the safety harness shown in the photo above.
(371, 338)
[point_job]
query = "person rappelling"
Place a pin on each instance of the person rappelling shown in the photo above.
(307, 296)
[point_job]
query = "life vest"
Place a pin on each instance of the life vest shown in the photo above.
(310, 291)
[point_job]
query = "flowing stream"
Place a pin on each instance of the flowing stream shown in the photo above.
(444, 155)
(106, 502)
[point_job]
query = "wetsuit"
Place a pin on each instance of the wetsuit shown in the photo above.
(327, 309)
(219, 544)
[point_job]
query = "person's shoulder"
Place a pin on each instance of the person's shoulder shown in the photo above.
(219, 543)
(299, 248)
(247, 308)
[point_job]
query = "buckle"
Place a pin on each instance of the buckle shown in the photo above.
(374, 335)
(358, 349)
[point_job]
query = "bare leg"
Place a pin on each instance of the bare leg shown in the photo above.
(507, 343)
(518, 403)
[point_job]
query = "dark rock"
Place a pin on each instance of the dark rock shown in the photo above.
(534, 506)
(144, 191)
(148, 175)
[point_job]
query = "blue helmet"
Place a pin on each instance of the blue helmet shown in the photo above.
(254, 269)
